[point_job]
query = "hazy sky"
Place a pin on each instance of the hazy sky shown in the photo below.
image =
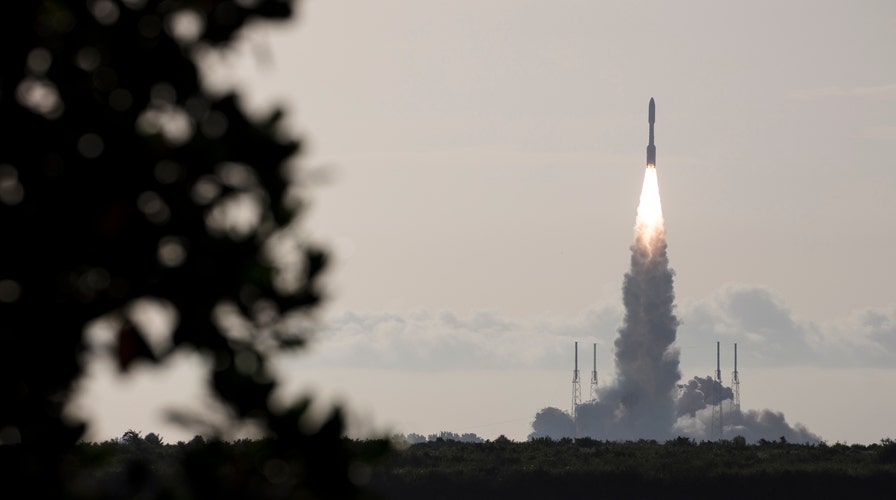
(475, 166)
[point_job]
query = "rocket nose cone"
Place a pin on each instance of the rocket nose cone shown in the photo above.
(651, 111)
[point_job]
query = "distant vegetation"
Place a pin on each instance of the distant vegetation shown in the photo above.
(680, 468)
(413, 438)
(135, 466)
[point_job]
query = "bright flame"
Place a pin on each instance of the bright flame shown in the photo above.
(649, 226)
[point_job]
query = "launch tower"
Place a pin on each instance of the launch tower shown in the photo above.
(717, 428)
(576, 386)
(594, 376)
(735, 384)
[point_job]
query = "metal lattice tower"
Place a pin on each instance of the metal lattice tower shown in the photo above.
(576, 386)
(735, 384)
(594, 377)
(717, 428)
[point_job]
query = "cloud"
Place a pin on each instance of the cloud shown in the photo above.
(754, 317)
(429, 341)
(865, 338)
(758, 319)
(768, 334)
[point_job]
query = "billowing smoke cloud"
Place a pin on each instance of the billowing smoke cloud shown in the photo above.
(552, 423)
(752, 425)
(646, 401)
(766, 424)
(699, 393)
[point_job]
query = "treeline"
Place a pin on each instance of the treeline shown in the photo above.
(134, 466)
(680, 468)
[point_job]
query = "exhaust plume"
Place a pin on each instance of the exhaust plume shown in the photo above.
(646, 401)
(641, 404)
(646, 361)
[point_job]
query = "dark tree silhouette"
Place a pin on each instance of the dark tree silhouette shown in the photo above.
(121, 179)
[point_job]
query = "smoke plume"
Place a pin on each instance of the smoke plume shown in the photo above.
(699, 393)
(552, 423)
(641, 404)
(646, 401)
(753, 425)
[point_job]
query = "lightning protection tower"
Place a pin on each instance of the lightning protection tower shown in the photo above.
(594, 376)
(576, 385)
(717, 428)
(735, 383)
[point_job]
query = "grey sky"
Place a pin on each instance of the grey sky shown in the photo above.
(482, 162)
(506, 136)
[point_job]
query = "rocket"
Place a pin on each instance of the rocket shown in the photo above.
(651, 149)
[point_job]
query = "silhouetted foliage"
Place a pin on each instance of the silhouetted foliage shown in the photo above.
(215, 469)
(131, 437)
(122, 180)
(153, 439)
(887, 452)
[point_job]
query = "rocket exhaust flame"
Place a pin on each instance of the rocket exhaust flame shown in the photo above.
(649, 228)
